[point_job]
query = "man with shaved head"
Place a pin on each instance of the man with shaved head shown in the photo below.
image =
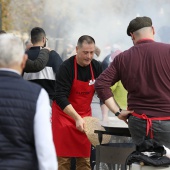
(144, 71)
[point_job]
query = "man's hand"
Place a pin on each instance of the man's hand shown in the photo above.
(80, 124)
(124, 115)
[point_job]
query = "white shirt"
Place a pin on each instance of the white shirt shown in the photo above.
(44, 145)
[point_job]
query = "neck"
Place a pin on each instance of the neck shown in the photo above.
(38, 44)
(143, 38)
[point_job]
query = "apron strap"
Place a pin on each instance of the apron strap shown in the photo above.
(75, 68)
(149, 122)
(91, 72)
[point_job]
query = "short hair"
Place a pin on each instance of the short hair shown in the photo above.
(37, 35)
(2, 32)
(85, 38)
(11, 50)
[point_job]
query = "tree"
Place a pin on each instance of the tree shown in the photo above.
(25, 14)
(5, 15)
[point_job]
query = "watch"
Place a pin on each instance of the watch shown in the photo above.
(118, 113)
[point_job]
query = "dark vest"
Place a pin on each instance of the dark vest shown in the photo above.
(18, 100)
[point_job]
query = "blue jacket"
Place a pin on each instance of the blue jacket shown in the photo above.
(18, 100)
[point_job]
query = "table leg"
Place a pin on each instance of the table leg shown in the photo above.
(97, 157)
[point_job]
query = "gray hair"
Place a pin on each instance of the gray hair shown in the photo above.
(11, 50)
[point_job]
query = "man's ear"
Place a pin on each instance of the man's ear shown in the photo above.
(153, 30)
(23, 63)
(76, 49)
(44, 39)
(132, 36)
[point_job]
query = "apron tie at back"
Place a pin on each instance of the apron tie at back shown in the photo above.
(149, 122)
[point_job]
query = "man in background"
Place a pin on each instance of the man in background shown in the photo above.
(46, 77)
(144, 72)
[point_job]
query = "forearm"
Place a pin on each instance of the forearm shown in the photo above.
(71, 112)
(38, 64)
(79, 122)
(112, 105)
(105, 111)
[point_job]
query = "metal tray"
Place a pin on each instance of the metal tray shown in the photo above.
(118, 131)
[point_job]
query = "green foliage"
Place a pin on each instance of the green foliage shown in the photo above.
(25, 14)
(20, 15)
(5, 15)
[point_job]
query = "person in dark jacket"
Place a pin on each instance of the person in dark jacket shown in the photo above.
(25, 129)
(46, 77)
(144, 72)
(39, 63)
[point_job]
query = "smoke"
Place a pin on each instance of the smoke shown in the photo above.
(106, 21)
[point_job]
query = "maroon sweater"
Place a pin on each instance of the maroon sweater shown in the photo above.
(144, 70)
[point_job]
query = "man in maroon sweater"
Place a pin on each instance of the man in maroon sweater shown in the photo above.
(144, 70)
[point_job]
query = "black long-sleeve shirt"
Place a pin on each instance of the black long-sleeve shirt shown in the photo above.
(65, 78)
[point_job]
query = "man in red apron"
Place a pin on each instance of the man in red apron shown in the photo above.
(144, 70)
(74, 92)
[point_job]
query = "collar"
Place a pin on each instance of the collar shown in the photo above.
(10, 70)
(145, 40)
(36, 47)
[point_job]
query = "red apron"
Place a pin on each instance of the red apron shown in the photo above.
(70, 142)
(149, 122)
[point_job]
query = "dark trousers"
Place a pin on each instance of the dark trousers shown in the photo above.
(161, 130)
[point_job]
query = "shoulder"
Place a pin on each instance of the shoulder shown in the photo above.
(37, 48)
(68, 64)
(33, 51)
(54, 53)
(96, 64)
(31, 86)
(66, 69)
(44, 51)
(55, 56)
